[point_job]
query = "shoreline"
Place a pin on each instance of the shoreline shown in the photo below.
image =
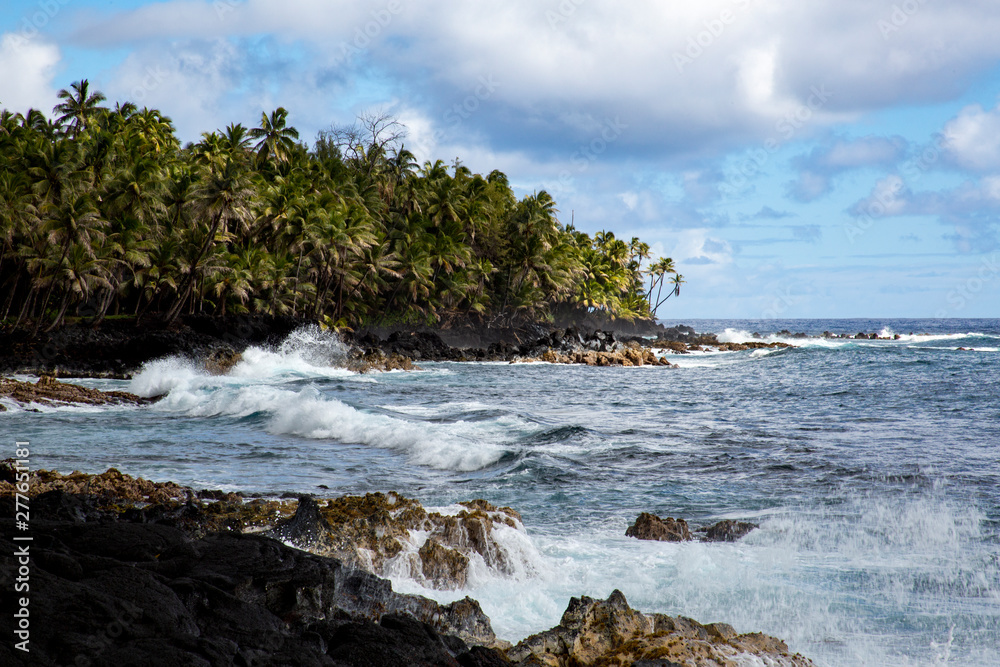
(117, 348)
(154, 553)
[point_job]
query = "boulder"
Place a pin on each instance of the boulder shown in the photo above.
(611, 633)
(651, 527)
(727, 530)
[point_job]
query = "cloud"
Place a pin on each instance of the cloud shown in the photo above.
(27, 67)
(807, 233)
(818, 168)
(889, 197)
(768, 213)
(972, 139)
(596, 61)
(971, 209)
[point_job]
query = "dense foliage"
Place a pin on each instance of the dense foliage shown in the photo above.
(102, 212)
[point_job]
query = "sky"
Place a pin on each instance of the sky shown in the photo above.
(821, 159)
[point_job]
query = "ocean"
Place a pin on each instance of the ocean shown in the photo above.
(871, 466)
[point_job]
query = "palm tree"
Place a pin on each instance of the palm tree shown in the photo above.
(74, 222)
(677, 281)
(78, 107)
(276, 139)
(658, 271)
(80, 272)
(222, 200)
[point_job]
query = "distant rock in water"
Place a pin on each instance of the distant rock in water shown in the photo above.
(651, 527)
(609, 632)
(727, 531)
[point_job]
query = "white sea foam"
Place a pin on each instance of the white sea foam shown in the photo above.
(306, 352)
(790, 578)
(521, 559)
(741, 336)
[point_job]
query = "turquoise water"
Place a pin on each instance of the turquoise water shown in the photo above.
(872, 467)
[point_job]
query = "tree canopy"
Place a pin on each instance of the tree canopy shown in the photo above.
(103, 212)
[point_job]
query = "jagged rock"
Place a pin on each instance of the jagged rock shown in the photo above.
(221, 361)
(375, 359)
(123, 593)
(728, 530)
(609, 633)
(443, 567)
(305, 529)
(651, 527)
(50, 391)
(374, 532)
(111, 484)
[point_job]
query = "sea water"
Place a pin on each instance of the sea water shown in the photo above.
(871, 466)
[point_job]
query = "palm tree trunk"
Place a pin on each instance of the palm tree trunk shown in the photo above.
(295, 285)
(175, 310)
(62, 312)
(10, 297)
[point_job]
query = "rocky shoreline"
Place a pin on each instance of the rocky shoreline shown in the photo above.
(118, 348)
(128, 571)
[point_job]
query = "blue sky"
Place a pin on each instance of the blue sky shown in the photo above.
(795, 159)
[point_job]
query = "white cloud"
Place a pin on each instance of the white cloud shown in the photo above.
(602, 59)
(27, 67)
(972, 139)
(630, 199)
(889, 197)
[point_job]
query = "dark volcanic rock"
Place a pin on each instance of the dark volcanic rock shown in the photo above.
(651, 527)
(123, 593)
(728, 531)
(115, 348)
(305, 529)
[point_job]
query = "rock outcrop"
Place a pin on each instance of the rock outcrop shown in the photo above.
(128, 571)
(651, 527)
(50, 391)
(116, 348)
(382, 533)
(127, 593)
(376, 532)
(609, 633)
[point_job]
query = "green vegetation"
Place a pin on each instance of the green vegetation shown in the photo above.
(103, 213)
